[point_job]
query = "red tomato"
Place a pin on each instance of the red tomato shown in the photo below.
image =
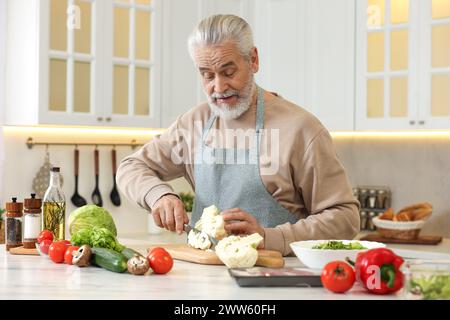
(338, 276)
(65, 242)
(45, 235)
(160, 260)
(44, 245)
(68, 254)
(57, 251)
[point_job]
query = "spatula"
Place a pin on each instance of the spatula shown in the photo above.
(96, 196)
(114, 195)
(77, 200)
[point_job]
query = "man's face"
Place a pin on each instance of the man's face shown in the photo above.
(227, 78)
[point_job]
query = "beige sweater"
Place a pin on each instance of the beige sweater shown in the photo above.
(310, 182)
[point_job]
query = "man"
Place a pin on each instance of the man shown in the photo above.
(269, 165)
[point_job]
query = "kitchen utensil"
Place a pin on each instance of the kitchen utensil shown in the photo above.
(318, 258)
(77, 200)
(421, 239)
(214, 241)
(266, 258)
(96, 196)
(42, 179)
(114, 195)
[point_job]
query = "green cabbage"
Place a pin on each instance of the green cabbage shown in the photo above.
(89, 216)
(96, 237)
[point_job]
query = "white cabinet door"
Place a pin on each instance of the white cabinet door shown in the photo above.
(386, 55)
(132, 63)
(70, 62)
(307, 55)
(403, 65)
(181, 85)
(434, 73)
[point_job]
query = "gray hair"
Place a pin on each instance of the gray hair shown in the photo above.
(220, 28)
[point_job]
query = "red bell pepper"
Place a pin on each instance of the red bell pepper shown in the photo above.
(378, 270)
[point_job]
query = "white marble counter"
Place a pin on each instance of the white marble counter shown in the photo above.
(36, 277)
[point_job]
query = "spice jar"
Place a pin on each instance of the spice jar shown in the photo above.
(13, 228)
(372, 198)
(362, 197)
(31, 221)
(381, 198)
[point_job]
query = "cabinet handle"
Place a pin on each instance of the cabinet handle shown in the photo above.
(412, 122)
(108, 119)
(100, 119)
(422, 122)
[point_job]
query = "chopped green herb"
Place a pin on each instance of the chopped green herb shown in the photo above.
(339, 245)
(433, 287)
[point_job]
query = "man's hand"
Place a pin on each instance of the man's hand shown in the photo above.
(168, 212)
(240, 222)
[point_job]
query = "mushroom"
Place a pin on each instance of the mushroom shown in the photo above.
(137, 265)
(82, 257)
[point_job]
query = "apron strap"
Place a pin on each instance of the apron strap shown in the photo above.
(259, 110)
(208, 127)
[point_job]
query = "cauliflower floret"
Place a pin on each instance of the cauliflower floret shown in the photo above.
(239, 252)
(199, 240)
(212, 223)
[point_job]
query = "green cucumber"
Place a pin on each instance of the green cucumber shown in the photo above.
(109, 259)
(130, 253)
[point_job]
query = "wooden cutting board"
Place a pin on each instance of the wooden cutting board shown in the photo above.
(22, 250)
(266, 258)
(429, 240)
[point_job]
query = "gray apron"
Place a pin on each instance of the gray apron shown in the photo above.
(230, 178)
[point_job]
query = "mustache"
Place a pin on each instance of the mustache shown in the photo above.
(226, 94)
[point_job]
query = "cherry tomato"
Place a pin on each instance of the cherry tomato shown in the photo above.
(45, 235)
(338, 276)
(57, 251)
(65, 242)
(68, 254)
(160, 260)
(44, 245)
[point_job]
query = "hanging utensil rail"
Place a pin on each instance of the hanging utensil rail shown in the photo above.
(30, 143)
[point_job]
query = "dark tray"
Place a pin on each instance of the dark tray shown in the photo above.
(275, 277)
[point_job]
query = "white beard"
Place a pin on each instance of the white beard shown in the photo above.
(228, 112)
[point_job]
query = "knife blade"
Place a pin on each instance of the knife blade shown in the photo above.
(188, 228)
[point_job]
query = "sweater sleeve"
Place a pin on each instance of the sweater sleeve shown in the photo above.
(331, 210)
(142, 176)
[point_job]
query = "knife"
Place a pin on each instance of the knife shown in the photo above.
(188, 228)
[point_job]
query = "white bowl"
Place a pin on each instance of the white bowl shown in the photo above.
(318, 258)
(398, 225)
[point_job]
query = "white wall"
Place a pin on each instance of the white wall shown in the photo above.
(415, 169)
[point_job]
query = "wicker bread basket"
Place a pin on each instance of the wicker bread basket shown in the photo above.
(405, 230)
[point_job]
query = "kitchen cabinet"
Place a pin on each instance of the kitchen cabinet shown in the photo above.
(307, 55)
(72, 62)
(403, 64)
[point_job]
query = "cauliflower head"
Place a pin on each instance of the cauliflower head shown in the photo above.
(212, 223)
(199, 240)
(239, 252)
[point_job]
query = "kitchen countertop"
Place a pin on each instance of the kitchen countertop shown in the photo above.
(36, 277)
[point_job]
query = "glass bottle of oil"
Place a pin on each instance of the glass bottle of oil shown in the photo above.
(54, 206)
